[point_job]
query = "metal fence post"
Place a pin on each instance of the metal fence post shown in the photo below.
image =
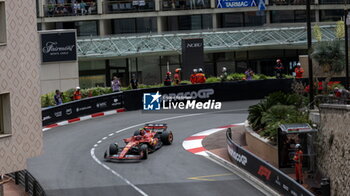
(35, 184)
(26, 185)
(16, 178)
(1, 187)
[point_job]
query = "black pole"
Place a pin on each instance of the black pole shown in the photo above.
(309, 48)
(346, 49)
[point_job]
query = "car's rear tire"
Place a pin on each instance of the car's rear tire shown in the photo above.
(113, 149)
(136, 133)
(144, 151)
(167, 137)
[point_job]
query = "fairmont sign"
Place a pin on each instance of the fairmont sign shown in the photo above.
(58, 46)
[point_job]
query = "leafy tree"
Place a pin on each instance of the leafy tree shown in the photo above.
(330, 56)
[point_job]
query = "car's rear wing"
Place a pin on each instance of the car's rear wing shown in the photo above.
(156, 126)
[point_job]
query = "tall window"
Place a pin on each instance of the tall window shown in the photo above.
(2, 23)
(1, 119)
(189, 22)
(5, 114)
(134, 25)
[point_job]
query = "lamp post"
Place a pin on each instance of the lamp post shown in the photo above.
(346, 22)
(309, 49)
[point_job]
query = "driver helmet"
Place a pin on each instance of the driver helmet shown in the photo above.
(142, 131)
(278, 61)
(195, 70)
(200, 70)
(298, 146)
(224, 69)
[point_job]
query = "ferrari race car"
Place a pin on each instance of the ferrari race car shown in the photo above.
(144, 141)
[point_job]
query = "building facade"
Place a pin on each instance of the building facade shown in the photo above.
(113, 18)
(20, 111)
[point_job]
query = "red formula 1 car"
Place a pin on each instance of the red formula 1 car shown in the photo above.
(146, 140)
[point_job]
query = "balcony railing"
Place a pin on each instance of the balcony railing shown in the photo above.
(333, 2)
(289, 2)
(123, 6)
(70, 9)
(185, 4)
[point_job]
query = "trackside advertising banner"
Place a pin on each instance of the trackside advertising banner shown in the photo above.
(263, 170)
(82, 107)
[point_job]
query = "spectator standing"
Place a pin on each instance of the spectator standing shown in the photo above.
(249, 74)
(134, 82)
(200, 77)
(298, 159)
(92, 7)
(83, 7)
(58, 97)
(76, 8)
(167, 80)
(279, 68)
(299, 71)
(193, 78)
(115, 84)
(77, 94)
(177, 79)
(223, 75)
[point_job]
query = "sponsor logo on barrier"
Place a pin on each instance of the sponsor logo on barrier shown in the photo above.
(238, 157)
(115, 102)
(263, 171)
(69, 111)
(84, 108)
(101, 105)
(46, 118)
(58, 114)
(202, 94)
(154, 101)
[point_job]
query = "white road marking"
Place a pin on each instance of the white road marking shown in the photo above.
(92, 151)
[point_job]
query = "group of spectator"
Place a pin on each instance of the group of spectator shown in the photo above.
(71, 7)
(198, 77)
(279, 70)
(176, 78)
(58, 97)
(184, 4)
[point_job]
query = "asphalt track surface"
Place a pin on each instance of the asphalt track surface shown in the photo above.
(66, 166)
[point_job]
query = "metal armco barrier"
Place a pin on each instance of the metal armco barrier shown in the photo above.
(29, 183)
(82, 107)
(262, 170)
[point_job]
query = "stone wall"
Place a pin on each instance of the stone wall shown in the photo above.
(333, 146)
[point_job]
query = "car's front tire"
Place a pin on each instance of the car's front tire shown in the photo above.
(113, 149)
(167, 137)
(144, 151)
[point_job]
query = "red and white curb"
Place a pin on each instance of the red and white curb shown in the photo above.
(66, 122)
(193, 143)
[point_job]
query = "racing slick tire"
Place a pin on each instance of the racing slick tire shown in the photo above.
(144, 151)
(136, 133)
(167, 137)
(113, 149)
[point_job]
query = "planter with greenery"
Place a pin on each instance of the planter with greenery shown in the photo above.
(276, 109)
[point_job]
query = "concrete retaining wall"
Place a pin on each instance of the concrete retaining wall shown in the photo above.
(260, 147)
(333, 145)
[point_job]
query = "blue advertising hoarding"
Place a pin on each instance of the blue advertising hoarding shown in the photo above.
(240, 3)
